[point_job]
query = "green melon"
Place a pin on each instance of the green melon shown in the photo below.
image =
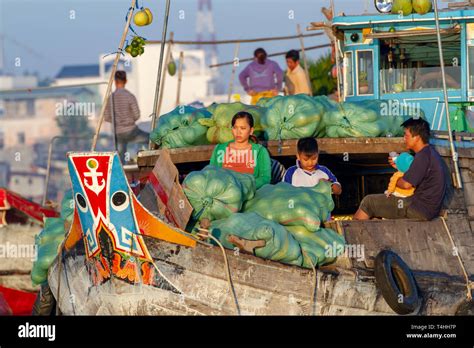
(422, 6)
(404, 6)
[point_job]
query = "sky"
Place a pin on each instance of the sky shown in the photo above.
(48, 34)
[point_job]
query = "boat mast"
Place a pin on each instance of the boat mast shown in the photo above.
(160, 68)
(454, 155)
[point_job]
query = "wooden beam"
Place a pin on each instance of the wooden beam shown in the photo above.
(412, 33)
(288, 148)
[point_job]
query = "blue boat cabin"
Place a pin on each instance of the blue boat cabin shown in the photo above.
(396, 58)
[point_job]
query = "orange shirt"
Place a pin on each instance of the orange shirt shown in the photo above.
(241, 161)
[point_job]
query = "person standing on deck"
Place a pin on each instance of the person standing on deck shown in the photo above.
(126, 113)
(262, 78)
(426, 174)
(296, 81)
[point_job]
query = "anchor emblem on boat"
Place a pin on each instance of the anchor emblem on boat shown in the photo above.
(95, 187)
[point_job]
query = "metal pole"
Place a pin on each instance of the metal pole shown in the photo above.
(338, 75)
(162, 88)
(454, 155)
(112, 73)
(308, 80)
(234, 68)
(160, 68)
(180, 77)
(113, 120)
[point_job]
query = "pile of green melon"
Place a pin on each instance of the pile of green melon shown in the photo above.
(281, 118)
(407, 7)
(289, 219)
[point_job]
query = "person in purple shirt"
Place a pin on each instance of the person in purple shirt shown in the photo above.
(261, 78)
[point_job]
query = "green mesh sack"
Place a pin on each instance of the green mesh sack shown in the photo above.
(67, 206)
(351, 120)
(321, 246)
(220, 124)
(47, 244)
(279, 243)
(292, 117)
(293, 206)
(181, 128)
(38, 275)
(53, 229)
(216, 193)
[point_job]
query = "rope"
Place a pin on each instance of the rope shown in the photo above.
(315, 285)
(227, 268)
(469, 284)
(219, 42)
(67, 282)
(269, 55)
(59, 278)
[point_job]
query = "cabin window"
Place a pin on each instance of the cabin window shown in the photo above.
(412, 64)
(365, 72)
(348, 86)
(471, 67)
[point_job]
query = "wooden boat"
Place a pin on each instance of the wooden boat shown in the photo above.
(191, 279)
(169, 272)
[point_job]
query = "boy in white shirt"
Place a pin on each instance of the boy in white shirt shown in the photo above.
(307, 172)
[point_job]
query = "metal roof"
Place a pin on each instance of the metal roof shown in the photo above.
(444, 15)
(69, 71)
(44, 93)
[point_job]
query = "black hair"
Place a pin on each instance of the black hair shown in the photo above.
(259, 51)
(121, 75)
(294, 55)
(307, 146)
(248, 116)
(418, 126)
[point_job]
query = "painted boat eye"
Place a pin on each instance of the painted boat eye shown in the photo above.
(120, 200)
(81, 202)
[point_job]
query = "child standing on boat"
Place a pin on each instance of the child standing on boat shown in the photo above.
(244, 154)
(307, 172)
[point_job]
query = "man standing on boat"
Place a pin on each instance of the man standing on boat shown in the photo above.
(262, 78)
(125, 114)
(296, 80)
(426, 175)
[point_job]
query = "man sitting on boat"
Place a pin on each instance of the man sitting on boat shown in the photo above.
(426, 174)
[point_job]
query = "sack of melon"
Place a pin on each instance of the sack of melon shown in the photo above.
(291, 117)
(47, 244)
(181, 128)
(363, 119)
(220, 123)
(293, 206)
(50, 238)
(293, 245)
(321, 247)
(279, 244)
(216, 193)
